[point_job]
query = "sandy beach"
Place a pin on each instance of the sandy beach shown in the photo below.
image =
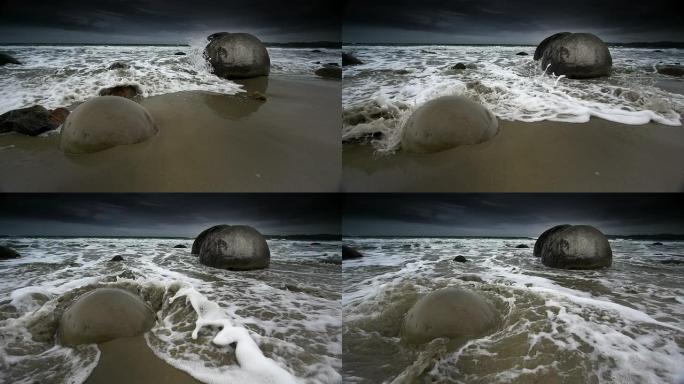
(534, 157)
(130, 360)
(206, 142)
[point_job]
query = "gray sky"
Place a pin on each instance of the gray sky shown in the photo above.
(508, 21)
(509, 214)
(183, 215)
(165, 21)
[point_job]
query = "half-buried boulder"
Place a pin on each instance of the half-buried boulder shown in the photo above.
(236, 247)
(105, 122)
(575, 55)
(574, 247)
(237, 56)
(104, 314)
(8, 253)
(349, 253)
(447, 122)
(448, 312)
(199, 240)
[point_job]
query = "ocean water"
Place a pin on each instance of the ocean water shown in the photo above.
(61, 76)
(290, 312)
(624, 324)
(380, 95)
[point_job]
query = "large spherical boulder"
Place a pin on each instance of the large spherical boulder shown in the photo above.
(575, 55)
(544, 236)
(104, 314)
(574, 247)
(447, 122)
(237, 56)
(105, 122)
(448, 312)
(236, 247)
(199, 240)
(8, 253)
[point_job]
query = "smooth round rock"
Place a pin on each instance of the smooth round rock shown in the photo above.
(104, 314)
(237, 247)
(105, 122)
(237, 56)
(576, 247)
(199, 240)
(448, 122)
(538, 245)
(448, 312)
(575, 55)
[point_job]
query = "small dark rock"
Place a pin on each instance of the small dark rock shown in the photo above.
(128, 91)
(658, 50)
(522, 246)
(316, 51)
(349, 59)
(671, 70)
(522, 54)
(349, 253)
(334, 73)
(118, 65)
(117, 258)
(460, 259)
(32, 121)
(179, 53)
(8, 253)
(315, 244)
(672, 262)
(459, 66)
(657, 243)
(7, 59)
(180, 246)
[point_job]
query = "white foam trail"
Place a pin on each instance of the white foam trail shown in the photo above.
(257, 368)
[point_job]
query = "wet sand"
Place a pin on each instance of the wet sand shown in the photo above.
(129, 360)
(532, 157)
(206, 142)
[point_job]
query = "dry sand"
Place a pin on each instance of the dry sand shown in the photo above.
(532, 157)
(207, 142)
(129, 360)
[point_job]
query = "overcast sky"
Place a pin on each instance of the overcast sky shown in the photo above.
(165, 21)
(508, 21)
(165, 214)
(510, 214)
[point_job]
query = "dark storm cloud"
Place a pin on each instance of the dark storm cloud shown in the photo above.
(503, 21)
(510, 214)
(166, 21)
(166, 214)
